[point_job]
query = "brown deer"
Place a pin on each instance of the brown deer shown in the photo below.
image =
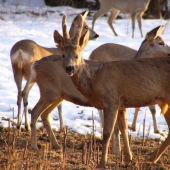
(55, 86)
(60, 93)
(152, 46)
(23, 54)
(57, 90)
(135, 8)
(115, 86)
(54, 90)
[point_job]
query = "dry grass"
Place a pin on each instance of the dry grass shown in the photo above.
(79, 152)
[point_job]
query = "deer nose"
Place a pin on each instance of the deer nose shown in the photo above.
(169, 55)
(70, 70)
(96, 36)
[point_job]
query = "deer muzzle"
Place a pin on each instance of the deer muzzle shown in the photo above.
(70, 70)
(96, 37)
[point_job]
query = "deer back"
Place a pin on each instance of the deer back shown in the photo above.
(127, 6)
(152, 46)
(112, 52)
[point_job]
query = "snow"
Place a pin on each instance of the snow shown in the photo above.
(28, 24)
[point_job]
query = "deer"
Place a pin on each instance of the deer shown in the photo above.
(135, 8)
(152, 46)
(23, 54)
(55, 86)
(115, 86)
(54, 90)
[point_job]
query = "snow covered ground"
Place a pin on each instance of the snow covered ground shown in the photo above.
(22, 21)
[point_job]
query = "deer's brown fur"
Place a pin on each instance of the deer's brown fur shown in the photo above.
(152, 46)
(54, 91)
(114, 86)
(55, 86)
(23, 54)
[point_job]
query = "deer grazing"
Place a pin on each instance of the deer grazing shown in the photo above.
(152, 46)
(23, 54)
(135, 8)
(115, 86)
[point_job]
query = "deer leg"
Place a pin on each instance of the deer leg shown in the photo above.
(153, 112)
(101, 117)
(36, 112)
(133, 16)
(18, 76)
(62, 126)
(45, 118)
(123, 126)
(25, 93)
(116, 147)
(99, 13)
(111, 19)
(133, 127)
(139, 18)
(156, 155)
(110, 117)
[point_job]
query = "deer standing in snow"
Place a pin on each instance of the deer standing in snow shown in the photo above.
(59, 87)
(115, 86)
(152, 46)
(135, 8)
(23, 54)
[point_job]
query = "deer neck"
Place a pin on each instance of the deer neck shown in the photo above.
(143, 51)
(83, 78)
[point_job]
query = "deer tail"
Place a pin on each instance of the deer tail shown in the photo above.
(20, 59)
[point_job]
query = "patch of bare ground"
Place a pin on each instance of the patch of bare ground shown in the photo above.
(79, 152)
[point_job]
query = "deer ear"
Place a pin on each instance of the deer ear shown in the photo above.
(84, 14)
(150, 36)
(58, 39)
(75, 25)
(84, 40)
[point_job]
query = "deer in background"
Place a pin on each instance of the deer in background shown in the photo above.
(115, 86)
(23, 54)
(152, 46)
(135, 8)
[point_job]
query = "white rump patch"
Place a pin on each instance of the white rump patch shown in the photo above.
(21, 58)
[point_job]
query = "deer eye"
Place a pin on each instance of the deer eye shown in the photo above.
(86, 27)
(161, 43)
(76, 57)
(63, 56)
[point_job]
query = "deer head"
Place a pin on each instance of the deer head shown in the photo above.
(154, 45)
(72, 47)
(92, 34)
(155, 35)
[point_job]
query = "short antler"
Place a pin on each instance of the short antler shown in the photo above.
(79, 26)
(66, 35)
